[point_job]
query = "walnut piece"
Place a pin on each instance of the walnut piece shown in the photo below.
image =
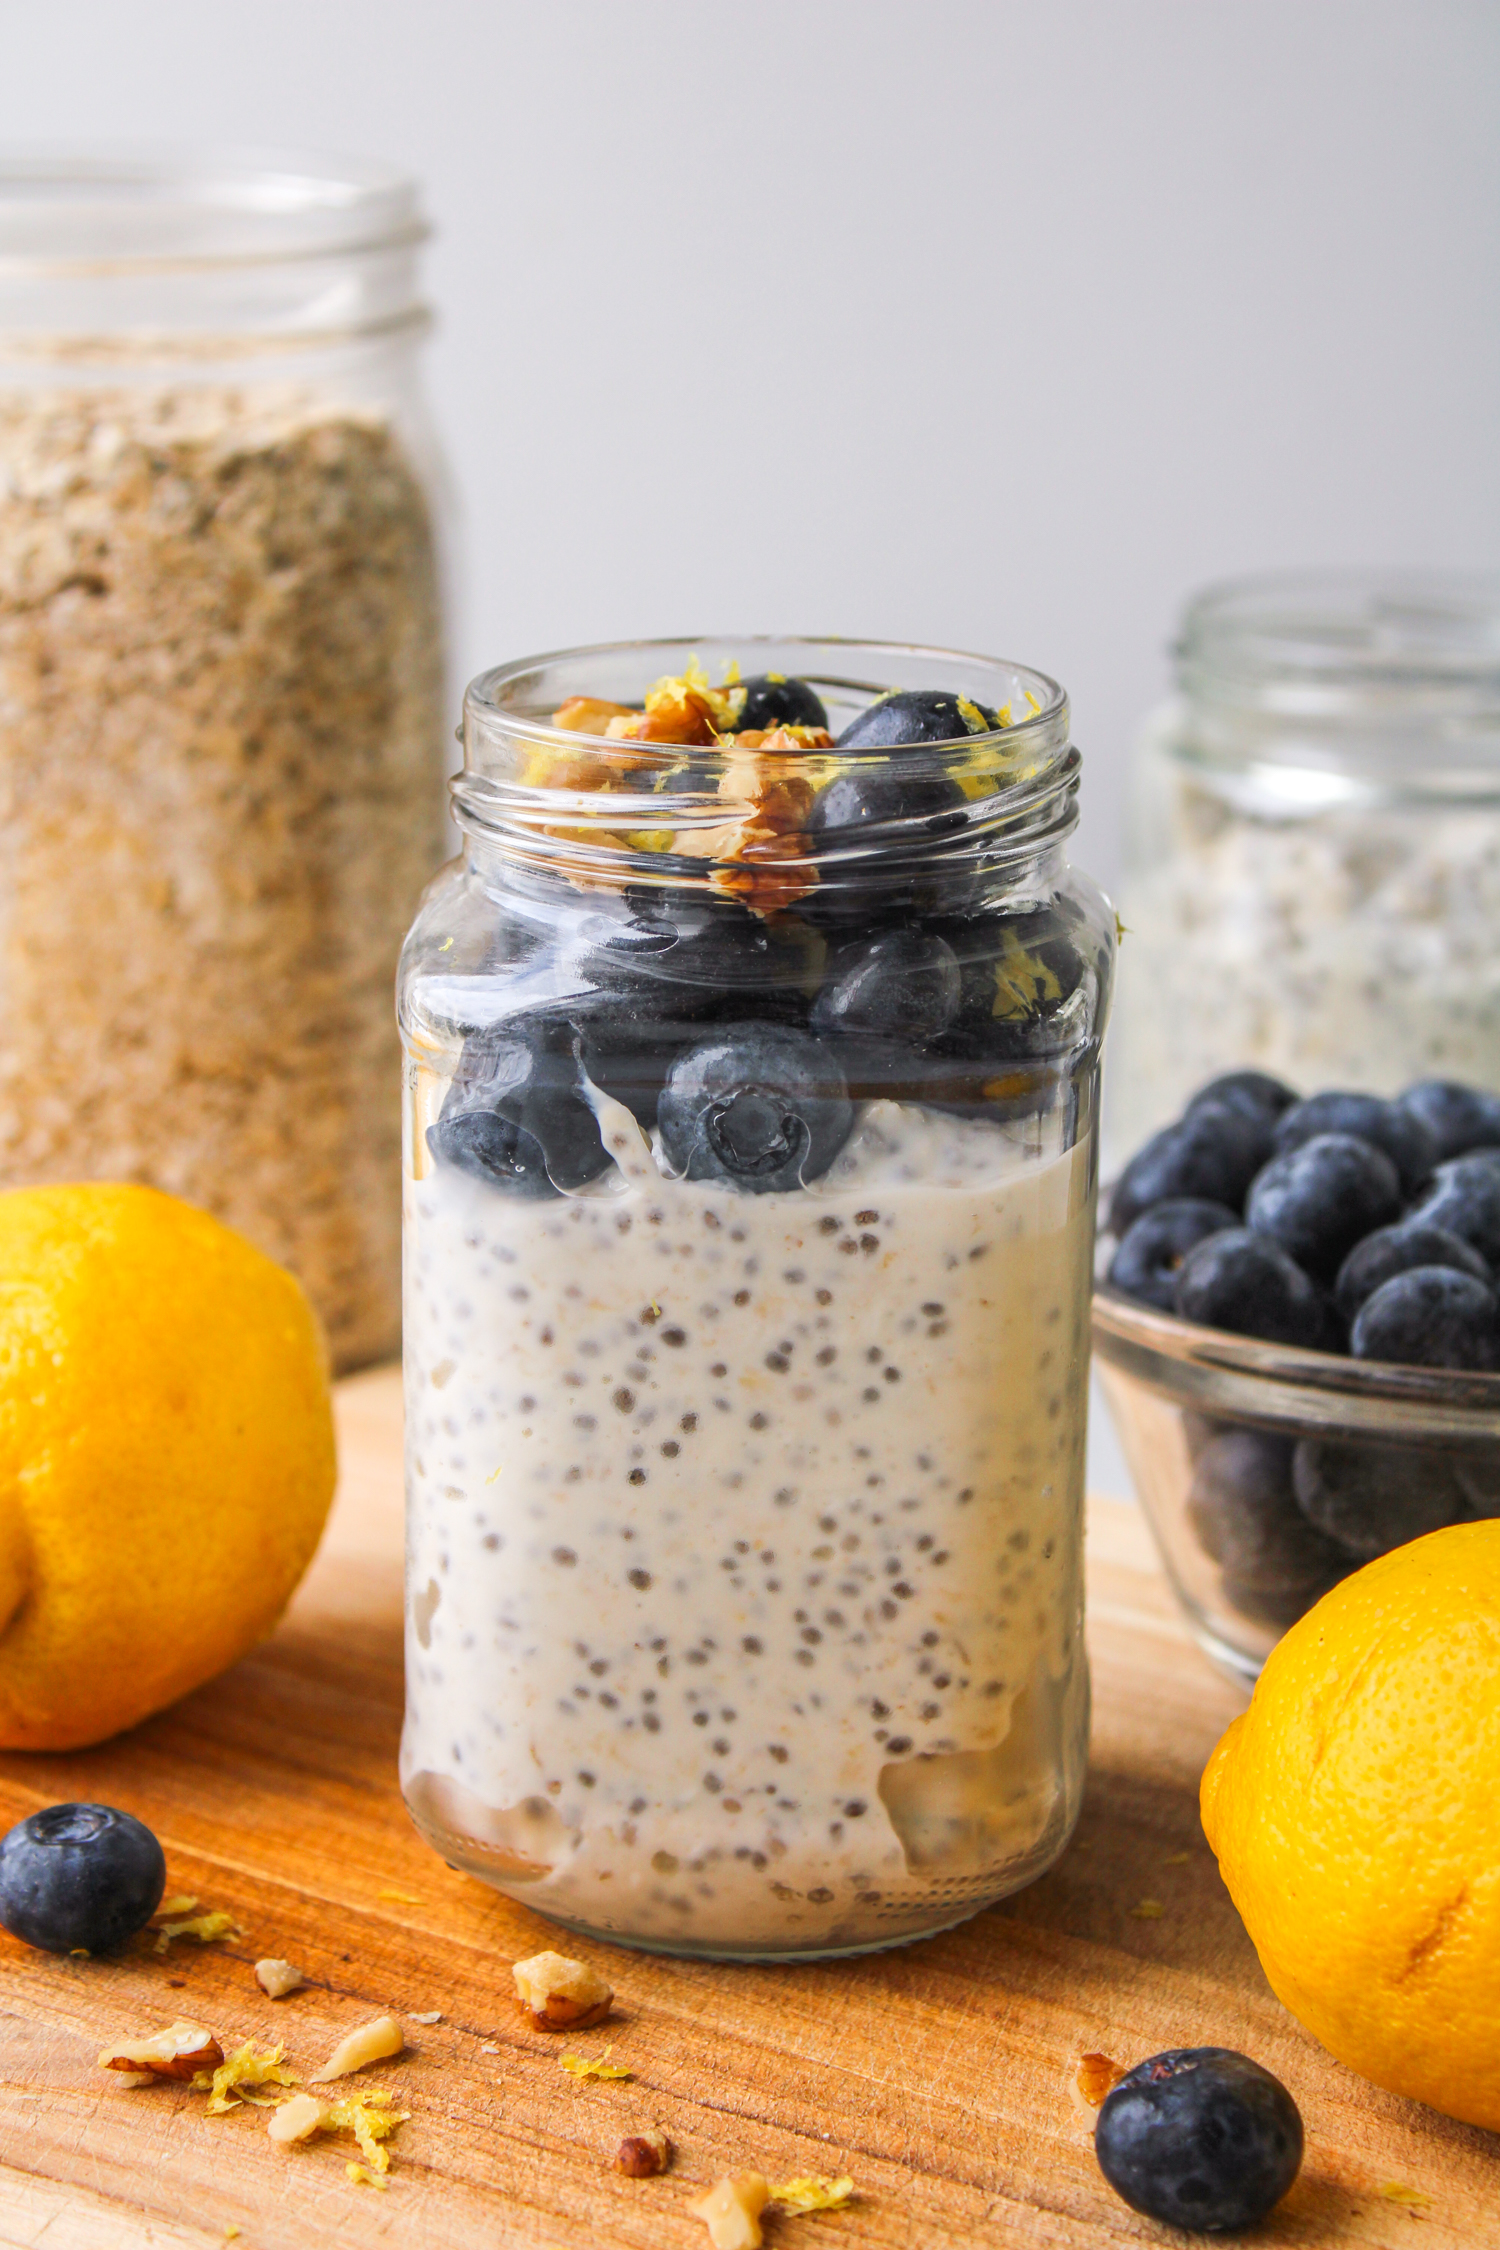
(559, 1994)
(589, 714)
(277, 1978)
(1095, 2075)
(372, 2042)
(731, 2210)
(643, 2155)
(297, 2120)
(180, 2051)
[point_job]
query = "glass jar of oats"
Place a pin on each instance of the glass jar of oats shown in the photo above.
(221, 695)
(1313, 883)
(751, 1100)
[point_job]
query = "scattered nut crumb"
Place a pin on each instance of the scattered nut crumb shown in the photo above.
(1148, 1910)
(372, 2042)
(433, 2015)
(206, 1928)
(559, 1994)
(731, 2210)
(297, 2120)
(180, 2051)
(590, 2066)
(277, 1978)
(811, 2192)
(489, 2048)
(1092, 2080)
(643, 2155)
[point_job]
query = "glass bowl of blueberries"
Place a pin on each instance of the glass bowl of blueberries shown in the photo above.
(1298, 1334)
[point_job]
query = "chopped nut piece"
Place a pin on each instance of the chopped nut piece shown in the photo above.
(236, 2079)
(643, 2155)
(589, 714)
(372, 2042)
(298, 2119)
(1096, 2075)
(812, 2192)
(433, 2015)
(277, 1978)
(559, 1994)
(180, 2051)
(731, 2211)
(181, 1902)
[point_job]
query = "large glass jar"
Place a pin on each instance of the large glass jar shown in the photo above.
(1314, 874)
(751, 1099)
(221, 695)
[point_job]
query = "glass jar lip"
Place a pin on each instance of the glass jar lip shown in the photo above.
(485, 701)
(1343, 631)
(108, 210)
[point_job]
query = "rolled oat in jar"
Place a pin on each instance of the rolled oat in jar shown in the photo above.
(221, 732)
(751, 1110)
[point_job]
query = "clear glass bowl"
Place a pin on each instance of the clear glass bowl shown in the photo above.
(1223, 1433)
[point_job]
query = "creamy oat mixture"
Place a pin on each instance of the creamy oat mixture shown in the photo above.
(221, 760)
(1357, 948)
(744, 1533)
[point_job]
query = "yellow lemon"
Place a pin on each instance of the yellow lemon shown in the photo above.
(166, 1455)
(1355, 1812)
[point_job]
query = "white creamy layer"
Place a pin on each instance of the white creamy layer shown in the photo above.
(744, 1590)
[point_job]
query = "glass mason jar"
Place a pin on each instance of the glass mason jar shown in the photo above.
(221, 694)
(751, 1102)
(1313, 885)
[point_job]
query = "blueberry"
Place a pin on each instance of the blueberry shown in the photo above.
(1246, 1283)
(699, 948)
(1371, 1498)
(1464, 1197)
(1429, 1317)
(516, 1113)
(1402, 1136)
(1458, 1117)
(1245, 1089)
(1321, 1196)
(772, 701)
(79, 1875)
(1242, 1506)
(1146, 1264)
(916, 715)
(855, 802)
(1212, 1153)
(904, 984)
(1392, 1250)
(1200, 2137)
(761, 1106)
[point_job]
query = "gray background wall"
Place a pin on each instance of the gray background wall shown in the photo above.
(1002, 324)
(995, 322)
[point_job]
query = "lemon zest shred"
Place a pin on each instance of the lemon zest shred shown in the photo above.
(1032, 700)
(811, 2192)
(240, 2074)
(402, 1898)
(370, 2118)
(208, 1929)
(1148, 1910)
(594, 2066)
(181, 1902)
(362, 2176)
(1410, 2198)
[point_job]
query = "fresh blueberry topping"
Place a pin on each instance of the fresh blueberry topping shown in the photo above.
(1244, 1511)
(916, 715)
(1429, 1317)
(1458, 1117)
(1245, 1089)
(79, 1876)
(1371, 1498)
(1212, 1154)
(517, 1114)
(1465, 1198)
(757, 1106)
(852, 802)
(1392, 1250)
(1247, 1283)
(1200, 2137)
(1386, 1125)
(1321, 1196)
(1147, 1262)
(905, 984)
(771, 701)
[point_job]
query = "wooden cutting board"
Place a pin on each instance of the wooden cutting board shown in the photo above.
(937, 2076)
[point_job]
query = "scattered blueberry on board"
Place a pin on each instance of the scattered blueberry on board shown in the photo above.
(79, 1877)
(1201, 2138)
(1349, 1223)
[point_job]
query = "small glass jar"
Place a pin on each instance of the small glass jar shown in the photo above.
(1313, 883)
(751, 1105)
(221, 694)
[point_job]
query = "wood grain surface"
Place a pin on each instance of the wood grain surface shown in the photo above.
(937, 2076)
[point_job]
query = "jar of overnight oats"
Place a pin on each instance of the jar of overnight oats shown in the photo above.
(751, 1097)
(1313, 884)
